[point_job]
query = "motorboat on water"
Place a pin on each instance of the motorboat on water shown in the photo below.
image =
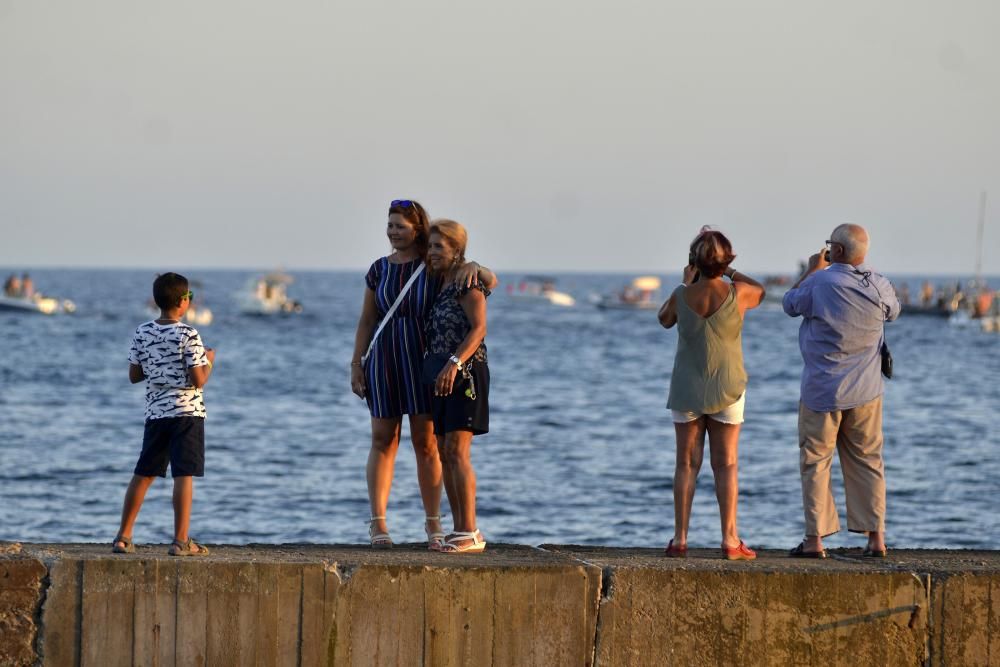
(268, 295)
(540, 289)
(196, 315)
(929, 310)
(643, 293)
(36, 303)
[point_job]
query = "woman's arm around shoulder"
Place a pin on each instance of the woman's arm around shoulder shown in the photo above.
(472, 273)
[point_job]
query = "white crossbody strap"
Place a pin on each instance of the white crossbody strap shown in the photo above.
(392, 309)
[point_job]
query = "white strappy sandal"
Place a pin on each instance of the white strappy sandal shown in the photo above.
(378, 540)
(477, 545)
(435, 539)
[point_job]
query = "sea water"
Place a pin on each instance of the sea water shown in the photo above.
(580, 449)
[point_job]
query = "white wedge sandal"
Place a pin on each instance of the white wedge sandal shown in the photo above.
(378, 540)
(477, 545)
(435, 539)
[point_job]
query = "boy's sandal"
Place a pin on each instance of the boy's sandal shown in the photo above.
(674, 551)
(127, 546)
(435, 539)
(739, 552)
(187, 548)
(474, 543)
(378, 540)
(874, 553)
(800, 552)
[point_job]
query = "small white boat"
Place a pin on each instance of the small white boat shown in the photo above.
(268, 295)
(199, 316)
(643, 293)
(37, 303)
(540, 289)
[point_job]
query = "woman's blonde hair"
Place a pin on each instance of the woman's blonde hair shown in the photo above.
(455, 234)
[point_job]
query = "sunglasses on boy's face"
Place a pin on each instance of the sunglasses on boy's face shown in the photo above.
(187, 295)
(402, 203)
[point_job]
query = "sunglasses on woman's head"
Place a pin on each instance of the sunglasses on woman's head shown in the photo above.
(402, 203)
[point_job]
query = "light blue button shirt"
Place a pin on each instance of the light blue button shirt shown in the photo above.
(841, 334)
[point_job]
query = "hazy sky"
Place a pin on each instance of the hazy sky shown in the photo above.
(566, 135)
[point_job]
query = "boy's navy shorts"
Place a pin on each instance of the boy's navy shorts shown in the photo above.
(179, 441)
(458, 412)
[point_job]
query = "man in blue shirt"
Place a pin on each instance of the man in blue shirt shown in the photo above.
(844, 306)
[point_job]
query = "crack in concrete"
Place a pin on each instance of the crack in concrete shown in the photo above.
(39, 643)
(863, 618)
(606, 592)
(342, 573)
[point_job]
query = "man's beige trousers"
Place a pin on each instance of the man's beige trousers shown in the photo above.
(856, 434)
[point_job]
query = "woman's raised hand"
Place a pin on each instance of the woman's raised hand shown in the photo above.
(690, 275)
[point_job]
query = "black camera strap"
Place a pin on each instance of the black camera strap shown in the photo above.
(884, 351)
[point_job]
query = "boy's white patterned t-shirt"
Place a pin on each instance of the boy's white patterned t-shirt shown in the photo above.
(166, 352)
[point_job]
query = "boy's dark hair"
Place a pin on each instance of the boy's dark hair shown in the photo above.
(168, 289)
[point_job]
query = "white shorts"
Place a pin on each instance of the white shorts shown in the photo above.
(731, 415)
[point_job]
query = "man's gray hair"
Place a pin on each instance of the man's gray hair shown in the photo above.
(854, 238)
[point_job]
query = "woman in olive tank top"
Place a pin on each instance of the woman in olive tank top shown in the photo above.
(708, 383)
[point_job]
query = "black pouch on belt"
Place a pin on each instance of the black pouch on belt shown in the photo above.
(886, 361)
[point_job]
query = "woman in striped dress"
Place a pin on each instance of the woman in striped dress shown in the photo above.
(390, 380)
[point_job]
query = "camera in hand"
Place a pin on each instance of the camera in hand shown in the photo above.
(826, 257)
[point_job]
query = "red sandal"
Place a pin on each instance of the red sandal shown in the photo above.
(739, 552)
(675, 552)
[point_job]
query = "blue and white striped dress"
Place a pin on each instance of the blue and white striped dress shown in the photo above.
(393, 370)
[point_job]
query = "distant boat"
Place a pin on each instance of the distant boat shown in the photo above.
(199, 316)
(268, 295)
(978, 300)
(640, 294)
(540, 289)
(44, 305)
(939, 308)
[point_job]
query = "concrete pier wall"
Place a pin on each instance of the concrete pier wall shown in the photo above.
(554, 605)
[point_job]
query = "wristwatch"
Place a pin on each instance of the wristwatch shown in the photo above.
(455, 360)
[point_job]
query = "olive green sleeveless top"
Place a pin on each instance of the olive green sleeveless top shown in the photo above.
(708, 367)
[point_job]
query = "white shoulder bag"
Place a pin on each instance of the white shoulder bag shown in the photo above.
(388, 313)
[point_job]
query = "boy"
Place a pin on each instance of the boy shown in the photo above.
(171, 358)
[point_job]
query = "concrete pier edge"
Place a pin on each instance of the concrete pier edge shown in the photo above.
(300, 604)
